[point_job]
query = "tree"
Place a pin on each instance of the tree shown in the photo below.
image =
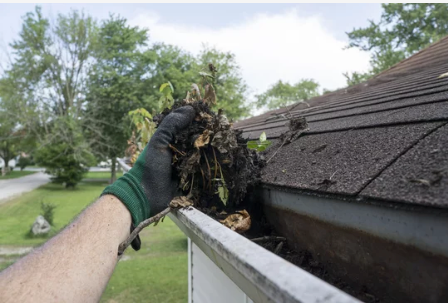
(175, 66)
(404, 29)
(182, 69)
(51, 62)
(14, 137)
(230, 87)
(356, 78)
(118, 83)
(8, 141)
(282, 94)
(64, 152)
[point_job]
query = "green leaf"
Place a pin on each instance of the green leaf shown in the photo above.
(252, 144)
(203, 74)
(166, 89)
(262, 137)
(223, 194)
(163, 86)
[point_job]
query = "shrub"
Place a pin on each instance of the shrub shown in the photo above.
(23, 162)
(65, 153)
(47, 211)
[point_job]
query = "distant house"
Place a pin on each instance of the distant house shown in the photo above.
(11, 163)
(365, 190)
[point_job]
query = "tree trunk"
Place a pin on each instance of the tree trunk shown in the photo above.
(5, 168)
(113, 175)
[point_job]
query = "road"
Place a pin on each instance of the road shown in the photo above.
(14, 187)
(92, 169)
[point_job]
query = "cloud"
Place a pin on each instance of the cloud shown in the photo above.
(269, 47)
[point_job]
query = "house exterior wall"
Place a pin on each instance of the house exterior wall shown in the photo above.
(208, 283)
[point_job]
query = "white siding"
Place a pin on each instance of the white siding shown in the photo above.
(208, 283)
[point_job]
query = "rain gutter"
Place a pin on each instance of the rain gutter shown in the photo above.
(395, 251)
(262, 275)
(421, 227)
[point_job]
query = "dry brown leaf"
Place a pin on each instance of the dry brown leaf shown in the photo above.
(239, 222)
(188, 98)
(195, 92)
(209, 95)
(180, 202)
(189, 167)
(205, 116)
(203, 139)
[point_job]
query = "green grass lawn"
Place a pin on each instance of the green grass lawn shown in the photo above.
(156, 273)
(101, 175)
(16, 174)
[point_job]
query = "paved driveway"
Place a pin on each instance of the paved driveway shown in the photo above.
(14, 187)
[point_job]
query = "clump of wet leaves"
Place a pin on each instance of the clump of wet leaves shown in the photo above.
(210, 155)
(213, 162)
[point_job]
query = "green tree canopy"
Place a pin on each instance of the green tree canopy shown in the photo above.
(118, 83)
(282, 94)
(9, 140)
(64, 152)
(230, 87)
(70, 71)
(48, 74)
(14, 135)
(404, 29)
(182, 69)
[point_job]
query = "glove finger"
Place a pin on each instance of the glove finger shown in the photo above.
(173, 123)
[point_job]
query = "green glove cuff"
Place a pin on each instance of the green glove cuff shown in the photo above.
(129, 191)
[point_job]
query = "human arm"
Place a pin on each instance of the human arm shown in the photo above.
(76, 264)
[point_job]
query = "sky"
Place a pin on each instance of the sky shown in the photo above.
(271, 42)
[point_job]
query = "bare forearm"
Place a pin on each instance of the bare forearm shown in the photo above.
(75, 265)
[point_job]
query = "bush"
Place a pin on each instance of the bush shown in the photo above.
(64, 153)
(47, 211)
(23, 162)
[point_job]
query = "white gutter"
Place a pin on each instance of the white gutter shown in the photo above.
(262, 275)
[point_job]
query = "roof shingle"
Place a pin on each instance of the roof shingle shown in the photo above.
(363, 140)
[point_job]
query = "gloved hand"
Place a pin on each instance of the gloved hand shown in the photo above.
(150, 184)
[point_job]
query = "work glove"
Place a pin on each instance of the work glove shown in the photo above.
(150, 185)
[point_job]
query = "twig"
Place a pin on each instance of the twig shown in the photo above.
(216, 166)
(209, 172)
(275, 152)
(190, 193)
(334, 174)
(142, 225)
(268, 238)
(203, 178)
(176, 150)
(279, 247)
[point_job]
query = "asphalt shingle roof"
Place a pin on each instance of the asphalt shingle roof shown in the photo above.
(386, 138)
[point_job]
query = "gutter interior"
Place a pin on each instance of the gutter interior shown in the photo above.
(376, 253)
